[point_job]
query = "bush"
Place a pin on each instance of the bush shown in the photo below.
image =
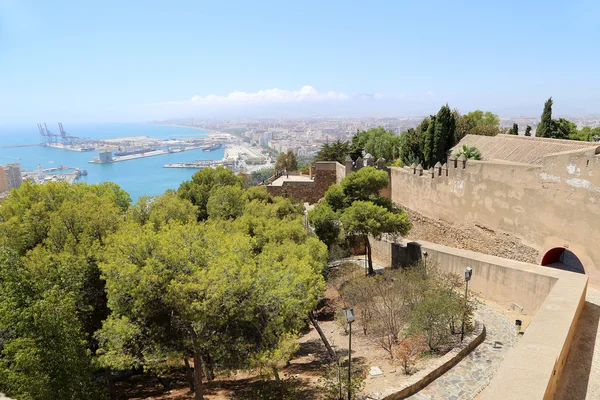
(409, 351)
(334, 384)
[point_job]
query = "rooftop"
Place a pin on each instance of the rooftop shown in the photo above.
(292, 178)
(522, 149)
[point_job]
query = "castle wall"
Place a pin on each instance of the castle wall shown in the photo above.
(552, 205)
(326, 174)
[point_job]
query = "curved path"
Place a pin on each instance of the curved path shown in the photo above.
(581, 376)
(473, 373)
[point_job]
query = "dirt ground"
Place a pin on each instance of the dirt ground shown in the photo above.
(306, 368)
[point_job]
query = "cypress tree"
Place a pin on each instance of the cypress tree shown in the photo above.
(443, 138)
(544, 129)
(428, 136)
(514, 130)
(528, 131)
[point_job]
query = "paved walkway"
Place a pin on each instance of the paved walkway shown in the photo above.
(473, 373)
(581, 376)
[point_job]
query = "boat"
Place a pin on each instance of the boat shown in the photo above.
(132, 152)
(215, 146)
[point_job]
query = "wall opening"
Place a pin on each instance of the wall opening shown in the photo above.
(564, 259)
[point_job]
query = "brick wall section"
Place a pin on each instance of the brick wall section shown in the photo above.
(326, 174)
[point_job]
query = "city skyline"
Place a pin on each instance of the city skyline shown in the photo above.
(135, 61)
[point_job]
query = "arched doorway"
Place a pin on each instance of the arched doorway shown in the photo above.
(564, 259)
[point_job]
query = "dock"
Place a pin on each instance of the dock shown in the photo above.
(98, 160)
(200, 164)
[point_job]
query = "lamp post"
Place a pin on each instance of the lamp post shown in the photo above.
(349, 314)
(468, 272)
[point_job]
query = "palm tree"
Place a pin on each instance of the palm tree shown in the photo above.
(471, 152)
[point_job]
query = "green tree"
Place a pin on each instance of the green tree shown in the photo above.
(43, 346)
(260, 176)
(364, 184)
(443, 136)
(363, 218)
(227, 293)
(326, 223)
(162, 209)
(428, 140)
(528, 131)
(476, 123)
(545, 127)
(337, 151)
(200, 187)
(564, 129)
(287, 161)
(226, 202)
(410, 147)
(514, 130)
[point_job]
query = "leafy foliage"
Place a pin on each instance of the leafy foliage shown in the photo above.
(409, 351)
(226, 202)
(545, 127)
(514, 130)
(287, 161)
(337, 151)
(471, 152)
(200, 187)
(51, 296)
(229, 290)
(326, 223)
(334, 384)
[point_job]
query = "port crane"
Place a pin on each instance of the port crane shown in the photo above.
(67, 139)
(50, 137)
(42, 131)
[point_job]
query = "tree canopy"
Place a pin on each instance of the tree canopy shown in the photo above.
(356, 208)
(337, 151)
(287, 161)
(90, 282)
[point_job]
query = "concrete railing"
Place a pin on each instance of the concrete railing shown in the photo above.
(532, 368)
(423, 378)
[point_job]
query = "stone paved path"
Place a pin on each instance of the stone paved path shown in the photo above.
(581, 376)
(473, 373)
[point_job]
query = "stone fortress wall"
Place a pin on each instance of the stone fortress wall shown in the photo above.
(555, 204)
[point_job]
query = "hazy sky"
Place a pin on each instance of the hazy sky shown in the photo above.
(78, 61)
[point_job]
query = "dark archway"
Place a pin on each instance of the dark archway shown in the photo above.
(564, 259)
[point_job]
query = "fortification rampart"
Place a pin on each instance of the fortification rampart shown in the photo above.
(551, 205)
(555, 298)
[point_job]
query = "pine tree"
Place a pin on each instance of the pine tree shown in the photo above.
(514, 130)
(528, 131)
(544, 129)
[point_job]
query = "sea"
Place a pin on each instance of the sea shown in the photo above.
(139, 177)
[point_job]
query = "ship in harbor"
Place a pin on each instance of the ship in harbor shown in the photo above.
(215, 146)
(131, 152)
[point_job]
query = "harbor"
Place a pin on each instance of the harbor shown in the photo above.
(61, 173)
(170, 156)
(201, 164)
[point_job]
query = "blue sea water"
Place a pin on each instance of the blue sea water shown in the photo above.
(143, 176)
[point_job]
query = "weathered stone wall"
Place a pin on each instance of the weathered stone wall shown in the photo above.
(326, 174)
(474, 238)
(532, 369)
(547, 206)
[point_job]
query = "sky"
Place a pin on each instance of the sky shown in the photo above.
(117, 61)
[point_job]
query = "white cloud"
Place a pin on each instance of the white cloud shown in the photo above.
(267, 96)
